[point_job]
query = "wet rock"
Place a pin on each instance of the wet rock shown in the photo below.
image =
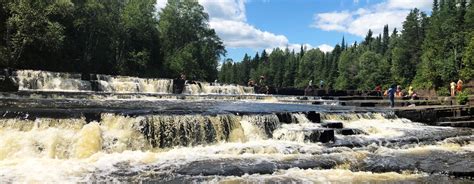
(310, 135)
(411, 137)
(430, 161)
(469, 124)
(90, 116)
(239, 167)
(313, 116)
(349, 131)
(178, 86)
(285, 117)
(7, 84)
(321, 135)
(332, 125)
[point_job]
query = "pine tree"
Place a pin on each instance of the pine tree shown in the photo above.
(386, 39)
(368, 38)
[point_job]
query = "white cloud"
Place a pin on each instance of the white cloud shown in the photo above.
(391, 12)
(409, 4)
(238, 34)
(332, 21)
(227, 9)
(228, 19)
(325, 48)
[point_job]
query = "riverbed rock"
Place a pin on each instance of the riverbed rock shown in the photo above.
(332, 124)
(349, 131)
(313, 116)
(239, 167)
(430, 161)
(285, 117)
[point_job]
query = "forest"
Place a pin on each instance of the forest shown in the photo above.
(428, 53)
(109, 37)
(130, 38)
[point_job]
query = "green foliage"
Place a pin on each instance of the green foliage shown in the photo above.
(467, 71)
(443, 91)
(462, 98)
(111, 37)
(188, 44)
(427, 53)
(407, 50)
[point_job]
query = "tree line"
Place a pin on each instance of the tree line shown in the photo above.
(121, 37)
(428, 53)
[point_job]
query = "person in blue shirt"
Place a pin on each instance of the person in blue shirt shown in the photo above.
(391, 95)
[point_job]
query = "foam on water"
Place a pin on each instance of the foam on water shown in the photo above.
(296, 175)
(32, 80)
(50, 81)
(71, 150)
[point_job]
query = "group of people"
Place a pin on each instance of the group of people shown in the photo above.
(261, 87)
(396, 91)
(456, 87)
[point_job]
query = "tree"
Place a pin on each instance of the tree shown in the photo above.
(347, 68)
(31, 34)
(385, 39)
(372, 70)
(467, 72)
(368, 38)
(185, 34)
(406, 54)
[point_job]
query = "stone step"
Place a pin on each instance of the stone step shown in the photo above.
(469, 124)
(332, 125)
(320, 135)
(313, 116)
(456, 118)
(284, 117)
(349, 131)
(323, 135)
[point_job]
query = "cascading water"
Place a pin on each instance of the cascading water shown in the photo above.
(223, 148)
(217, 89)
(123, 129)
(50, 81)
(30, 80)
(122, 84)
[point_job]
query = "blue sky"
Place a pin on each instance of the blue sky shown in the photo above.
(250, 26)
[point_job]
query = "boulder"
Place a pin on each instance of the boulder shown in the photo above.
(313, 116)
(349, 131)
(332, 125)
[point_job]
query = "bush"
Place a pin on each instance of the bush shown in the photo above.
(443, 92)
(462, 98)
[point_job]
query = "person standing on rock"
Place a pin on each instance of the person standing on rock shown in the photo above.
(391, 95)
(459, 86)
(453, 88)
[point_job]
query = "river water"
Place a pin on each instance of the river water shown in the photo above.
(131, 135)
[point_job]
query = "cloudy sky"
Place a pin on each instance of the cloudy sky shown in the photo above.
(249, 26)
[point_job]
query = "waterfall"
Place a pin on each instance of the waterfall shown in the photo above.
(221, 147)
(75, 138)
(123, 84)
(31, 80)
(50, 81)
(208, 89)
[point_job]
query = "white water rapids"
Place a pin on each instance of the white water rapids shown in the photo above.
(32, 80)
(146, 148)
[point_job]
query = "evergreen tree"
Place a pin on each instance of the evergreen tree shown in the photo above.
(368, 38)
(385, 39)
(467, 71)
(406, 55)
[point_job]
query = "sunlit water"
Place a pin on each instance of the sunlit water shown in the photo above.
(62, 128)
(212, 148)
